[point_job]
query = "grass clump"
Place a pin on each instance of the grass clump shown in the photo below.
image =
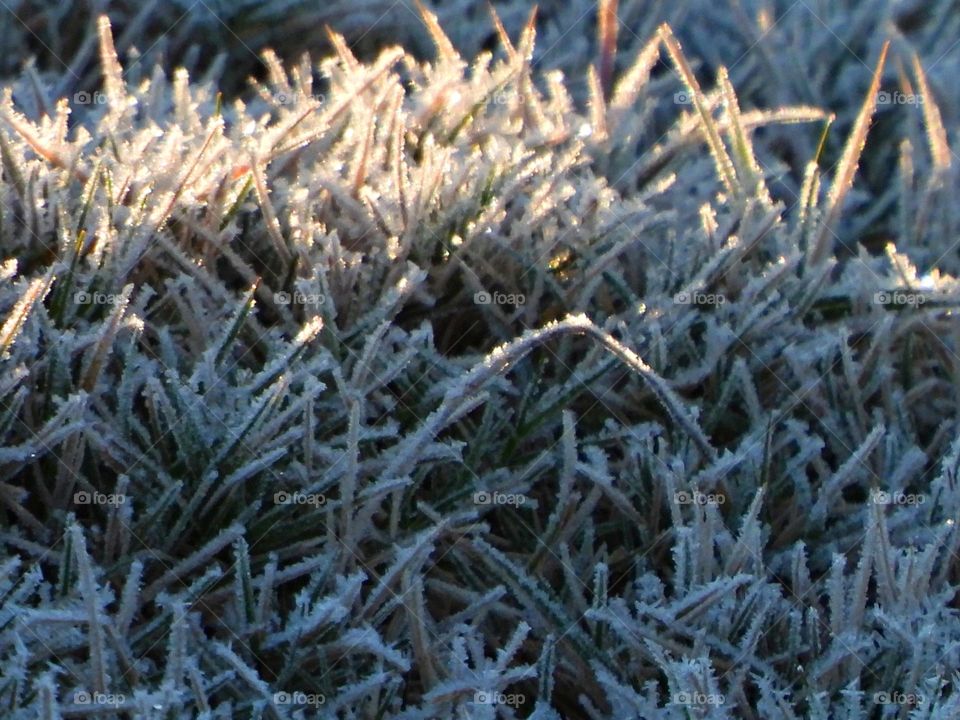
(415, 389)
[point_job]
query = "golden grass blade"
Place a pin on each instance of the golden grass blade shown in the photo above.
(502, 34)
(720, 156)
(936, 133)
(635, 79)
(342, 49)
(849, 162)
(607, 26)
(445, 48)
(18, 315)
(747, 168)
(113, 83)
(597, 105)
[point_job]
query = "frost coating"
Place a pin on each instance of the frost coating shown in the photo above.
(706, 467)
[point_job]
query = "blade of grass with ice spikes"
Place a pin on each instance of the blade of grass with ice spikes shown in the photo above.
(718, 150)
(847, 167)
